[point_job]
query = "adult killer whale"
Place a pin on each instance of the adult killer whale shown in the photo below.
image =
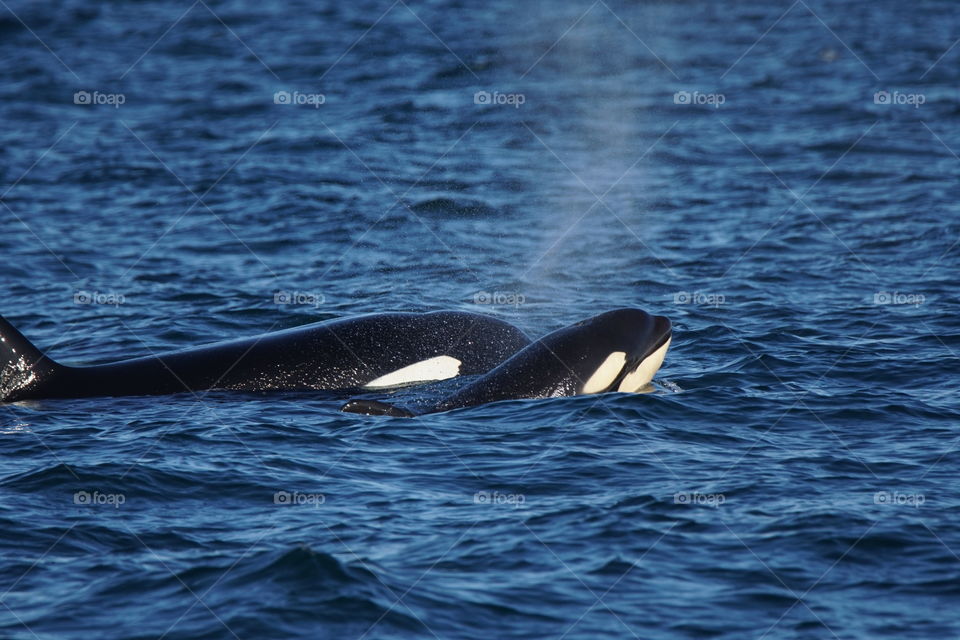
(372, 351)
(618, 350)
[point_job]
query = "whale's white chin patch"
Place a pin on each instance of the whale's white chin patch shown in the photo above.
(437, 368)
(606, 373)
(643, 374)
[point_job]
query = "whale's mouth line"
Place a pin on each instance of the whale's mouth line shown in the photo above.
(652, 350)
(630, 366)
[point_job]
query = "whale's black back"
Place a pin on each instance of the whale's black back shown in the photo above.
(339, 354)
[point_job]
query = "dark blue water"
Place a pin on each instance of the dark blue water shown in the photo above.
(724, 164)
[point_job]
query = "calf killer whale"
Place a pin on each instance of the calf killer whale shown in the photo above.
(615, 351)
(373, 351)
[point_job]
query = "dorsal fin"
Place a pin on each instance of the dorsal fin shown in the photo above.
(24, 369)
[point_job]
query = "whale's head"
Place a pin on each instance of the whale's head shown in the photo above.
(615, 351)
(627, 347)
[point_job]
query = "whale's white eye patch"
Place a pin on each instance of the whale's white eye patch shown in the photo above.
(636, 379)
(606, 373)
(437, 368)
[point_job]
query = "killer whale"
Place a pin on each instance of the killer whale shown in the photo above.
(619, 350)
(372, 351)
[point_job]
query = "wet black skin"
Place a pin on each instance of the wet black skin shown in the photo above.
(339, 354)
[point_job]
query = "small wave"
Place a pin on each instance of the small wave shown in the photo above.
(456, 208)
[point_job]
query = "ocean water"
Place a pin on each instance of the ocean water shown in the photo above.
(780, 179)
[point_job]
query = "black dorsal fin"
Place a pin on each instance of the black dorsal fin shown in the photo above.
(24, 370)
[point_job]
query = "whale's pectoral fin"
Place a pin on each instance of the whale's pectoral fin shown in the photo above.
(24, 369)
(376, 408)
